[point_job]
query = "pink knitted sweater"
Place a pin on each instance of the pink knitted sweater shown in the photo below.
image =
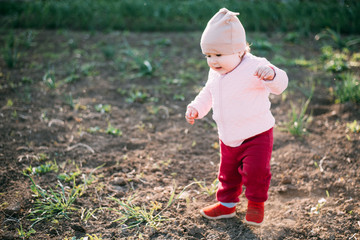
(239, 100)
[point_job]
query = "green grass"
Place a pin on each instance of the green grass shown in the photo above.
(337, 40)
(42, 169)
(136, 95)
(49, 79)
(347, 88)
(353, 127)
(335, 61)
(94, 237)
(70, 177)
(113, 130)
(25, 234)
(208, 189)
(108, 51)
(103, 108)
(53, 204)
(10, 51)
(142, 64)
(68, 100)
(178, 15)
(132, 216)
(86, 214)
(298, 119)
(301, 61)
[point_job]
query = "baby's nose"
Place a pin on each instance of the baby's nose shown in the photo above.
(212, 60)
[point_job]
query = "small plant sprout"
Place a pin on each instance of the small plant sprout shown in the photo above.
(132, 215)
(179, 97)
(72, 78)
(9, 103)
(316, 164)
(353, 127)
(68, 177)
(42, 157)
(69, 100)
(72, 44)
(146, 68)
(93, 237)
(87, 180)
(317, 208)
(299, 119)
(215, 145)
(23, 234)
(14, 114)
(93, 129)
(44, 117)
(42, 169)
(208, 190)
(113, 130)
(137, 95)
(109, 52)
(49, 79)
(86, 214)
(103, 108)
(88, 69)
(142, 64)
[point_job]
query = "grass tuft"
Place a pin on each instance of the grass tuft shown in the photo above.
(208, 190)
(347, 89)
(178, 15)
(10, 51)
(298, 119)
(132, 216)
(53, 205)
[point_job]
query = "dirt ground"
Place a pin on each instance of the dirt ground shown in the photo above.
(142, 149)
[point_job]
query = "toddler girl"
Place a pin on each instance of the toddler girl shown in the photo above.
(237, 90)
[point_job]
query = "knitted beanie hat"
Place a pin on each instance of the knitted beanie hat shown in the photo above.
(224, 34)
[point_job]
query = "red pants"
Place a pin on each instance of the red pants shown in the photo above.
(248, 165)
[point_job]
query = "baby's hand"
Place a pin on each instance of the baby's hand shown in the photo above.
(191, 114)
(265, 73)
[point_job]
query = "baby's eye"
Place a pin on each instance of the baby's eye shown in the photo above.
(207, 56)
(218, 55)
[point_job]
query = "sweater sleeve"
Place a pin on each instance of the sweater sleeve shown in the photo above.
(203, 101)
(279, 83)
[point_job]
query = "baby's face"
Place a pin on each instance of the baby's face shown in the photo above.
(223, 63)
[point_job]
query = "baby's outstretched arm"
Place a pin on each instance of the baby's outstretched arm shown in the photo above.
(191, 114)
(274, 79)
(265, 72)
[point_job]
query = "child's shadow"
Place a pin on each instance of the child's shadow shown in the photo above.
(234, 228)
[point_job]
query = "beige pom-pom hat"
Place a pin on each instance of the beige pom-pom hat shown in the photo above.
(224, 34)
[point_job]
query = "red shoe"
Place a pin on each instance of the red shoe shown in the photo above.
(217, 211)
(255, 213)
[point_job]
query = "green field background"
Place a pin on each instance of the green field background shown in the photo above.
(302, 16)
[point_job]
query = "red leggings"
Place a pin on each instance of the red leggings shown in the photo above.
(248, 165)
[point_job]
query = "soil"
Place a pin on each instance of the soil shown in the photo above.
(157, 157)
